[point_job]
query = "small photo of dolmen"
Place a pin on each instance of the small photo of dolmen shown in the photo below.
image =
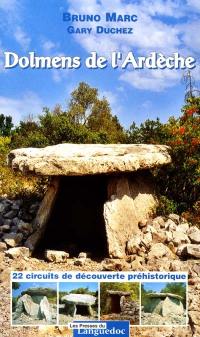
(78, 302)
(163, 303)
(34, 303)
(120, 301)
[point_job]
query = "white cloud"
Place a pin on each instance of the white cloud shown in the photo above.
(171, 8)
(22, 38)
(151, 33)
(191, 36)
(52, 49)
(19, 108)
(8, 5)
(11, 22)
(152, 80)
(48, 46)
(114, 101)
(195, 4)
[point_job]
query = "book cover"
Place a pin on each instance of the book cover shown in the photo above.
(100, 168)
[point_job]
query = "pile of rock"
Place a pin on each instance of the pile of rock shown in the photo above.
(35, 305)
(160, 237)
(155, 319)
(130, 310)
(15, 222)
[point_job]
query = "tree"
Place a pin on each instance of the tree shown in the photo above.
(101, 120)
(81, 103)
(6, 125)
(87, 109)
(16, 285)
(178, 288)
(181, 182)
(149, 132)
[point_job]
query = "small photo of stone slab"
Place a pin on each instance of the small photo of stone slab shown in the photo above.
(78, 302)
(34, 303)
(120, 301)
(164, 303)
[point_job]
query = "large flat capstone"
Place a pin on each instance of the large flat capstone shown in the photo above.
(83, 159)
(79, 299)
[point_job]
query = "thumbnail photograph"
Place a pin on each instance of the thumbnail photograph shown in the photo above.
(164, 303)
(78, 301)
(34, 303)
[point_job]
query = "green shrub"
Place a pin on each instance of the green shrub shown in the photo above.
(166, 206)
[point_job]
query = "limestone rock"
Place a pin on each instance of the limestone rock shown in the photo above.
(147, 239)
(151, 229)
(194, 234)
(159, 250)
(3, 246)
(170, 306)
(142, 223)
(82, 159)
(115, 265)
(133, 245)
(19, 308)
(158, 222)
(174, 217)
(31, 308)
(131, 200)
(43, 214)
(56, 256)
(194, 316)
(82, 255)
(182, 250)
(170, 225)
(136, 264)
(193, 250)
(159, 237)
(80, 261)
(18, 252)
(180, 238)
(13, 239)
(183, 227)
(169, 236)
(80, 299)
(39, 292)
(45, 309)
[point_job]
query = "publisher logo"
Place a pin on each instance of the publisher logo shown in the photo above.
(110, 328)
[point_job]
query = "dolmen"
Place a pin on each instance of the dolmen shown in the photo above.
(130, 191)
(79, 304)
(115, 300)
(165, 304)
(34, 303)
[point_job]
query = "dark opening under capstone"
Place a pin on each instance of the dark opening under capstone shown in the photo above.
(76, 223)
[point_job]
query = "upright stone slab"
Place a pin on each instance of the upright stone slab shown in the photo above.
(172, 305)
(31, 308)
(131, 200)
(43, 214)
(45, 309)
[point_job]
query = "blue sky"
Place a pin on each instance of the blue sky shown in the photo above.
(165, 26)
(26, 285)
(154, 286)
(68, 286)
